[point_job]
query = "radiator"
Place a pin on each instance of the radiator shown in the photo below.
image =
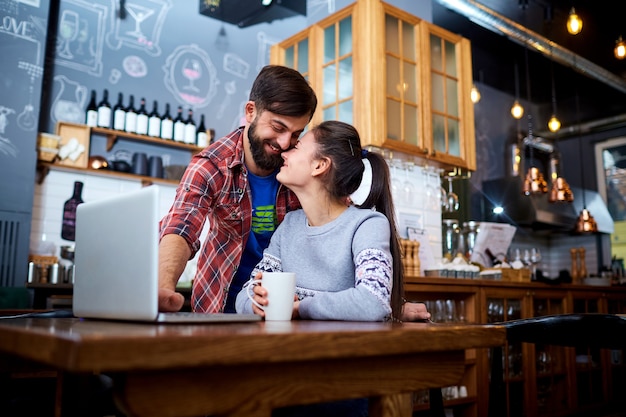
(14, 242)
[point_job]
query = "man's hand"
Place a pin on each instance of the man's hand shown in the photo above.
(414, 312)
(170, 301)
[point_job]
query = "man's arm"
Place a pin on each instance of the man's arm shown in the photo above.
(173, 256)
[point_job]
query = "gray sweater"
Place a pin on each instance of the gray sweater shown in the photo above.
(343, 269)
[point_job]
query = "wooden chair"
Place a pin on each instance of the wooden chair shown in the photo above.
(604, 331)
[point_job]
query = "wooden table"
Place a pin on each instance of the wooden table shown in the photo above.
(247, 369)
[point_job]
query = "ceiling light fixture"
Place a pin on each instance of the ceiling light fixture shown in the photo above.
(266, 2)
(534, 182)
(620, 48)
(560, 191)
(554, 123)
(474, 92)
(574, 23)
(517, 111)
(585, 222)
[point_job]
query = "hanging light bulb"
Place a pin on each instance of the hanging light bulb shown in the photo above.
(574, 23)
(474, 94)
(620, 48)
(517, 111)
(554, 124)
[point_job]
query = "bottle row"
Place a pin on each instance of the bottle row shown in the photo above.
(139, 121)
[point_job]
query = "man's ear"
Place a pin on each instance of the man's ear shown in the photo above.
(250, 111)
(321, 166)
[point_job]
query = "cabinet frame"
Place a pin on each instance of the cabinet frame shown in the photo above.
(612, 367)
(369, 108)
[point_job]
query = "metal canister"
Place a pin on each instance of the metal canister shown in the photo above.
(53, 273)
(470, 232)
(32, 273)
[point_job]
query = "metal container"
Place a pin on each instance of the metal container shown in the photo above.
(450, 234)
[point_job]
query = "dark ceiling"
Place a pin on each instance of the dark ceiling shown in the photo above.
(496, 56)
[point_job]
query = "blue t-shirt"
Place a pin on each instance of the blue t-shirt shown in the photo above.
(264, 191)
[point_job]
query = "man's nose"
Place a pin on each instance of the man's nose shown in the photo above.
(285, 141)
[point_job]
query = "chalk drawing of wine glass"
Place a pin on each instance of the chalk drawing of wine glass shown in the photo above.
(139, 13)
(192, 70)
(68, 30)
(83, 35)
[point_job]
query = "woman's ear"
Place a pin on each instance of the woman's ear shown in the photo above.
(321, 166)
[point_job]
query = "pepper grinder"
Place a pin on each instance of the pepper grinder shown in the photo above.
(574, 269)
(582, 269)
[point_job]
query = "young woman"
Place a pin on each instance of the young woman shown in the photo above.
(344, 251)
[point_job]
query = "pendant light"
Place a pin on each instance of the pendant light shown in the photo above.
(620, 48)
(554, 124)
(534, 182)
(560, 191)
(585, 223)
(517, 111)
(574, 22)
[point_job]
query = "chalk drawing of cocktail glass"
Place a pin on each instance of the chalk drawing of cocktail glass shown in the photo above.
(192, 70)
(68, 30)
(139, 13)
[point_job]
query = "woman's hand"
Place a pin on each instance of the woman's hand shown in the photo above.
(414, 312)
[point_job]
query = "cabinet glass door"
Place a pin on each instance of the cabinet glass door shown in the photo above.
(402, 81)
(589, 372)
(444, 96)
(550, 363)
(499, 310)
(337, 93)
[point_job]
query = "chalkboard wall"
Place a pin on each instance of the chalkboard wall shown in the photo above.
(23, 28)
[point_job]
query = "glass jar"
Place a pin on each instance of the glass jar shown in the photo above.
(450, 233)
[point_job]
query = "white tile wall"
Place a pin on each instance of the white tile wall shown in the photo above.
(58, 187)
(416, 199)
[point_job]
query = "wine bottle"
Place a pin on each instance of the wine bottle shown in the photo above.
(92, 110)
(154, 122)
(104, 111)
(202, 139)
(119, 113)
(131, 116)
(190, 129)
(167, 124)
(179, 126)
(68, 227)
(142, 119)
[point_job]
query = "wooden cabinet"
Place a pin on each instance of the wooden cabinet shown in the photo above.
(402, 82)
(84, 135)
(539, 380)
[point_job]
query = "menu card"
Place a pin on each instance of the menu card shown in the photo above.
(494, 238)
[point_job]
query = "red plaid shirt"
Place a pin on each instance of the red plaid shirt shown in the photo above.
(215, 188)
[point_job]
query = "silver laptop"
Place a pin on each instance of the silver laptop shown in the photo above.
(116, 262)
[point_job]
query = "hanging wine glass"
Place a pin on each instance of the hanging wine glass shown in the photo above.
(408, 188)
(452, 199)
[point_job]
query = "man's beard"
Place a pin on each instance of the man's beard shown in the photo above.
(262, 159)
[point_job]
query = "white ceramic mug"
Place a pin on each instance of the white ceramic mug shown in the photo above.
(281, 288)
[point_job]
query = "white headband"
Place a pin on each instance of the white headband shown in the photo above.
(360, 195)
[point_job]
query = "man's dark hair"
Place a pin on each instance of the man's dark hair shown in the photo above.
(284, 91)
